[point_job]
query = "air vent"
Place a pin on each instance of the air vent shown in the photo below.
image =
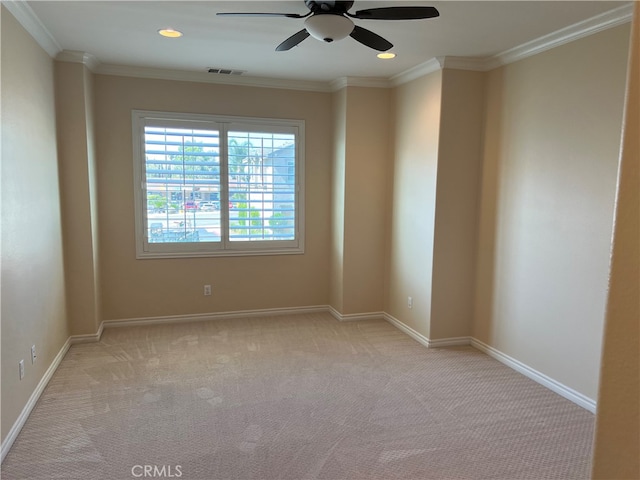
(225, 71)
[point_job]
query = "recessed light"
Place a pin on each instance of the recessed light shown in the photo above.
(386, 55)
(170, 33)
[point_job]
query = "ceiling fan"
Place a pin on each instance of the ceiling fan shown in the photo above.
(330, 20)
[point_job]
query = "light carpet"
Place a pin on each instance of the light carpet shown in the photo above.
(293, 397)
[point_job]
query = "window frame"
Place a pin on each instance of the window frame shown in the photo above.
(223, 124)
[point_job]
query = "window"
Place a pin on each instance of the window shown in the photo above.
(209, 185)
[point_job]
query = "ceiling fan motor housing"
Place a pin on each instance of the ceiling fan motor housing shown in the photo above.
(328, 27)
(328, 6)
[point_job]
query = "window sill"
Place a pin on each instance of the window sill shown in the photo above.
(220, 253)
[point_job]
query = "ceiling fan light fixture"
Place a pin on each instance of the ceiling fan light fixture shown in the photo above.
(170, 33)
(328, 27)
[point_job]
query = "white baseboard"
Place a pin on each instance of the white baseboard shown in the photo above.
(203, 317)
(450, 342)
(87, 338)
(443, 342)
(418, 337)
(553, 385)
(26, 411)
(353, 317)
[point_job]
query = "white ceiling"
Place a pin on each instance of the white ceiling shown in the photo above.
(125, 33)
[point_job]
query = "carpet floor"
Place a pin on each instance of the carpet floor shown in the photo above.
(293, 397)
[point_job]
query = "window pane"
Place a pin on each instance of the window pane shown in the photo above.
(183, 185)
(261, 186)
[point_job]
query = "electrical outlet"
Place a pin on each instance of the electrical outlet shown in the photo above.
(207, 290)
(33, 354)
(410, 302)
(21, 368)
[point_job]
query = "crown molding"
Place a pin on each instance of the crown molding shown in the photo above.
(32, 24)
(610, 19)
(74, 56)
(203, 77)
(430, 66)
(478, 64)
(598, 23)
(370, 82)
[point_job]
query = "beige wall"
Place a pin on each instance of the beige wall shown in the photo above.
(74, 97)
(551, 154)
(361, 168)
(416, 130)
(33, 292)
(368, 165)
(456, 211)
(159, 287)
(617, 441)
(93, 192)
(437, 163)
(339, 121)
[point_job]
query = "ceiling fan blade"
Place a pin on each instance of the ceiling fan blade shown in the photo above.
(292, 41)
(258, 14)
(370, 39)
(396, 13)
